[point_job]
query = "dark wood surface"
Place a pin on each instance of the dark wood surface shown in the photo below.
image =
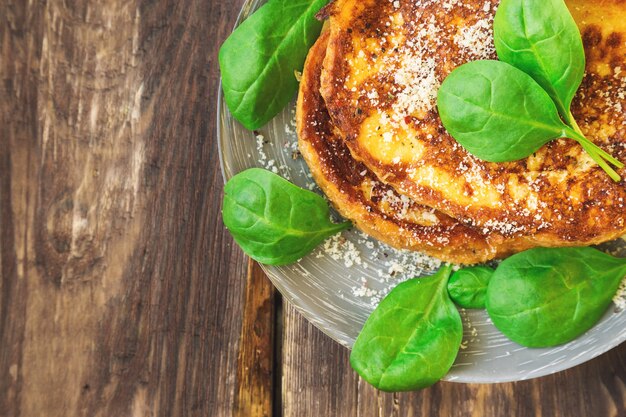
(121, 294)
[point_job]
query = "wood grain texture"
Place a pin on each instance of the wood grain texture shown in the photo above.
(121, 294)
(120, 288)
(254, 393)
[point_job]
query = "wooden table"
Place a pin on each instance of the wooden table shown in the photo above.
(121, 294)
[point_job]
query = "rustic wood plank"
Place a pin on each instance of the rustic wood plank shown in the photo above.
(318, 381)
(255, 365)
(120, 289)
(316, 376)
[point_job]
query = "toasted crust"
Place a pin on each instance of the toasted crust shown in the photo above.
(373, 206)
(384, 63)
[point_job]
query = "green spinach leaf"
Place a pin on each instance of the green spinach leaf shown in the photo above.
(499, 114)
(546, 297)
(468, 286)
(275, 222)
(412, 338)
(259, 58)
(540, 37)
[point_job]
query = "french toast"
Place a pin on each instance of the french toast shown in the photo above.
(384, 64)
(374, 207)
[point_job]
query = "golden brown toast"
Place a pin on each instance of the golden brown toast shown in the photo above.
(373, 206)
(384, 64)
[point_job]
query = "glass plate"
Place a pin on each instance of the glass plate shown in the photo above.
(336, 290)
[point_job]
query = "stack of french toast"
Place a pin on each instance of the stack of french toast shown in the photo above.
(370, 132)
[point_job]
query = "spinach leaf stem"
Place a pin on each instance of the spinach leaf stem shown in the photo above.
(595, 152)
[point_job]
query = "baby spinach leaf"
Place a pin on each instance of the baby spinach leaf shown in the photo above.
(275, 222)
(468, 286)
(497, 112)
(412, 338)
(540, 37)
(259, 58)
(546, 297)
